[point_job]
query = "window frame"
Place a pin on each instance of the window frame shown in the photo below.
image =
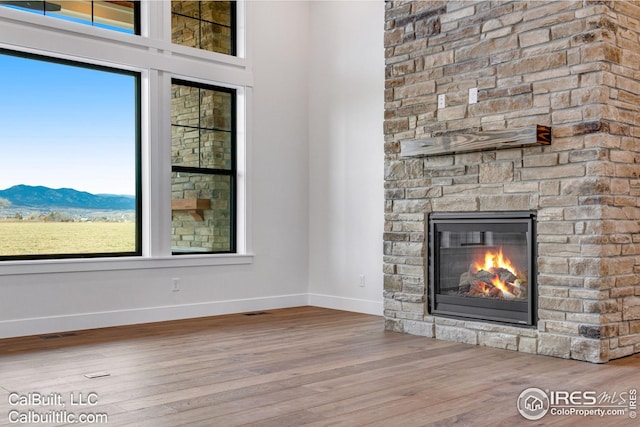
(158, 60)
(231, 172)
(139, 214)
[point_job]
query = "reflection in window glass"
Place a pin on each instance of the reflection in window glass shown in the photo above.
(203, 168)
(203, 223)
(207, 25)
(120, 16)
(69, 168)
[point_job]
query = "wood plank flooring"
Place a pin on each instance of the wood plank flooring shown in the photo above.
(305, 366)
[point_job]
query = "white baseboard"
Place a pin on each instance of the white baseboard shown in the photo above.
(75, 322)
(347, 304)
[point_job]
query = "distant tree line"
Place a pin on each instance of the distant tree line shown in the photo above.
(57, 217)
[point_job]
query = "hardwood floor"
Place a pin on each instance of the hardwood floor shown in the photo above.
(304, 366)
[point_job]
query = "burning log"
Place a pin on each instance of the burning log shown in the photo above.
(495, 277)
(505, 275)
(484, 276)
(497, 283)
(466, 281)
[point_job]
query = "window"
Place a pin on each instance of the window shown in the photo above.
(207, 25)
(119, 146)
(69, 171)
(121, 16)
(203, 168)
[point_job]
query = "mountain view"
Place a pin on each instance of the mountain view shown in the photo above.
(44, 197)
(31, 201)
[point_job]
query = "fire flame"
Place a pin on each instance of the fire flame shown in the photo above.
(495, 281)
(495, 260)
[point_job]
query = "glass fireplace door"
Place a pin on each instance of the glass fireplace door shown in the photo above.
(481, 266)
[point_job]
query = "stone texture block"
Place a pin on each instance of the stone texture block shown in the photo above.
(474, 189)
(444, 171)
(587, 186)
(521, 187)
(527, 345)
(413, 307)
(396, 125)
(394, 325)
(550, 188)
(393, 37)
(552, 291)
(560, 304)
(497, 340)
(554, 345)
(588, 267)
(410, 206)
(410, 270)
(590, 350)
(394, 170)
(560, 280)
(541, 160)
(407, 249)
(423, 193)
(409, 297)
(631, 308)
(561, 327)
(390, 304)
(558, 171)
(455, 204)
(564, 250)
(563, 228)
(452, 333)
(424, 329)
(496, 172)
(512, 202)
(628, 340)
(392, 283)
(553, 265)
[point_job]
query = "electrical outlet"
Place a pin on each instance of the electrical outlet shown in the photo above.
(441, 100)
(362, 280)
(176, 284)
(473, 95)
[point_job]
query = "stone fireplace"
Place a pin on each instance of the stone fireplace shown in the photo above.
(568, 66)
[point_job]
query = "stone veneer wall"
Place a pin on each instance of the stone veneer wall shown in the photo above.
(571, 65)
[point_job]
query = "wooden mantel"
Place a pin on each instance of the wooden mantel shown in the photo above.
(193, 206)
(478, 141)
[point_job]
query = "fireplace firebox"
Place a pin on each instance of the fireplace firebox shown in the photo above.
(482, 266)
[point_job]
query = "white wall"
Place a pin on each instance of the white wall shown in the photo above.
(346, 195)
(315, 193)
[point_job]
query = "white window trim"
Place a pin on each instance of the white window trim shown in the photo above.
(158, 60)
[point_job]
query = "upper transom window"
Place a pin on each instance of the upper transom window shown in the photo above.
(207, 25)
(111, 14)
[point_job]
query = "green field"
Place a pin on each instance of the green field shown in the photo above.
(51, 238)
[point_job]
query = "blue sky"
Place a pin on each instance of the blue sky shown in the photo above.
(65, 126)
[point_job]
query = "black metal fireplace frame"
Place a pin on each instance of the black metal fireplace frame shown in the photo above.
(520, 313)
